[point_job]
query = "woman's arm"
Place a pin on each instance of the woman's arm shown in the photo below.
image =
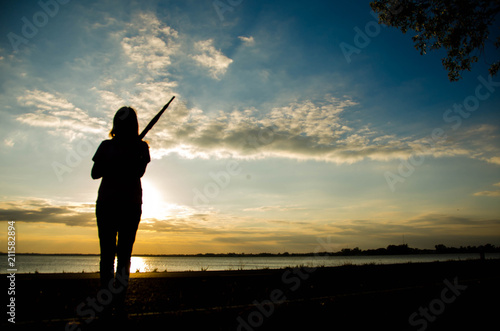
(121, 165)
(142, 169)
(97, 171)
(144, 159)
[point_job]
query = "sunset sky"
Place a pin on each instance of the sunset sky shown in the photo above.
(297, 126)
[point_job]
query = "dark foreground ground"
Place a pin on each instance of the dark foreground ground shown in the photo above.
(455, 295)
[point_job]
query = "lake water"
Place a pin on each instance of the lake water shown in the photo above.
(77, 263)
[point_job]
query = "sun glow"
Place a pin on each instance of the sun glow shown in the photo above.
(154, 204)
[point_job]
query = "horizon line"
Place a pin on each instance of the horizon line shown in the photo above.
(343, 250)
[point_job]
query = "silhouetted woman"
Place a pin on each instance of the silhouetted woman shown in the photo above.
(120, 162)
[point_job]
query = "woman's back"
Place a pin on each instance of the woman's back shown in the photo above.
(121, 164)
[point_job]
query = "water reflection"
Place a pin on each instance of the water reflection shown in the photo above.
(138, 264)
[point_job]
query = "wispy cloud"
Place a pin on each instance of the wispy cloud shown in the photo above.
(44, 101)
(211, 58)
(247, 41)
(57, 114)
(152, 43)
(488, 193)
(495, 193)
(479, 142)
(425, 227)
(110, 99)
(274, 208)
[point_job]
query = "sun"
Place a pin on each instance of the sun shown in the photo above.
(158, 204)
(153, 201)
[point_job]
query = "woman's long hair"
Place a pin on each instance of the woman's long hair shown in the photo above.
(125, 124)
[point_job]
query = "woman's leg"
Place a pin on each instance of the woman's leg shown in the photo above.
(106, 225)
(127, 230)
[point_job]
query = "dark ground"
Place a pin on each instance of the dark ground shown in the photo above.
(454, 295)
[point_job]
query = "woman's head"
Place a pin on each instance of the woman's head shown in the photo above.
(125, 124)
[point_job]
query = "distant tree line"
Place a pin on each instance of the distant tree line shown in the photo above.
(403, 249)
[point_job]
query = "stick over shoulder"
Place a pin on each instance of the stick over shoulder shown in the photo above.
(154, 120)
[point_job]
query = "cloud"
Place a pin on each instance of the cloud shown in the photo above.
(274, 208)
(144, 53)
(438, 220)
(302, 130)
(152, 43)
(153, 49)
(44, 101)
(9, 142)
(488, 193)
(480, 142)
(46, 211)
(187, 224)
(267, 234)
(36, 210)
(58, 115)
(151, 96)
(109, 99)
(495, 193)
(299, 130)
(15, 137)
(247, 41)
(211, 58)
(421, 231)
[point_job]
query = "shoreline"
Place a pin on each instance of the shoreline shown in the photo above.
(244, 264)
(155, 274)
(368, 253)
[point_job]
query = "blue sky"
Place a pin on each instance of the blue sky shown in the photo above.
(277, 139)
